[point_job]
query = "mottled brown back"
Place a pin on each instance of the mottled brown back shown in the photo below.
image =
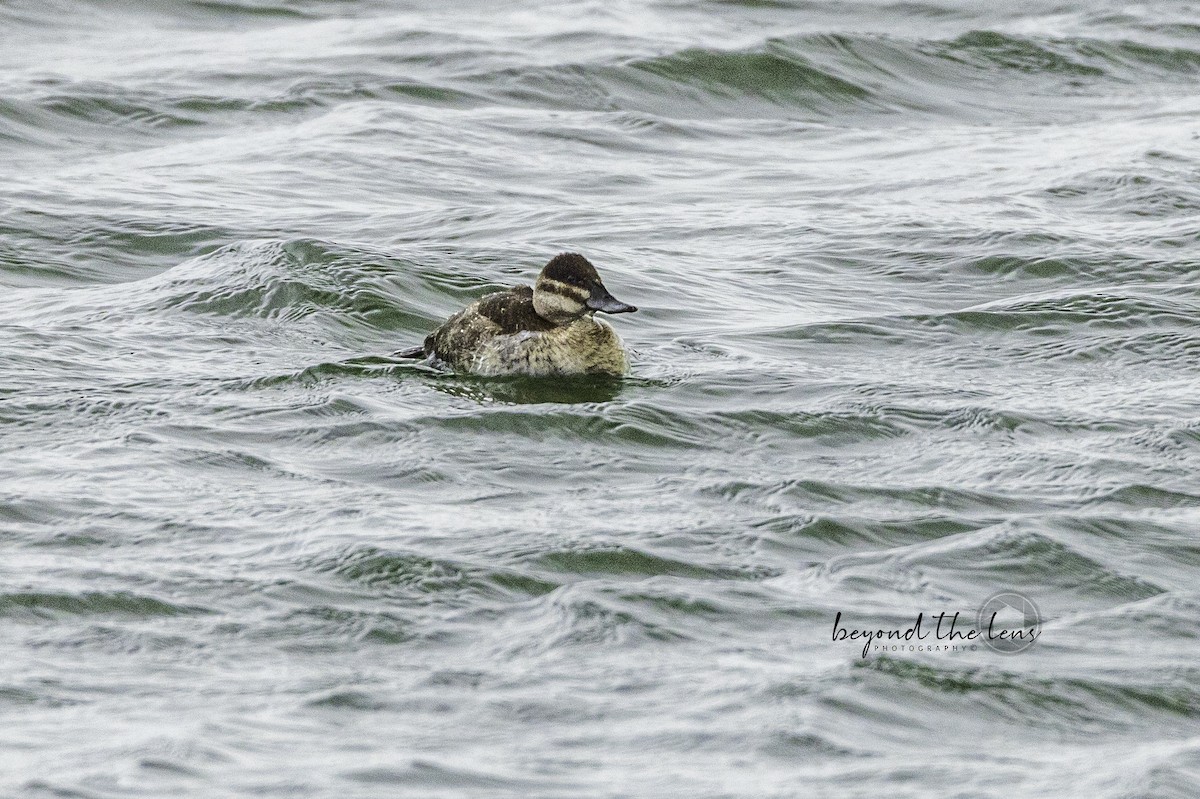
(512, 311)
(504, 312)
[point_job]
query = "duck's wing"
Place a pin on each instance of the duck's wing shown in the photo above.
(501, 313)
(512, 311)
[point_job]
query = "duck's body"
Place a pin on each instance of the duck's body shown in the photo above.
(546, 330)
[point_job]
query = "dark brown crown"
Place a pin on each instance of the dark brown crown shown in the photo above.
(573, 269)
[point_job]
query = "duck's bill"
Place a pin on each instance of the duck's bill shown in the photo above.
(601, 300)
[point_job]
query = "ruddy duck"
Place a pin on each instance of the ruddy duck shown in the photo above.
(549, 329)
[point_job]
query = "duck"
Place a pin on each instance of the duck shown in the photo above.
(547, 330)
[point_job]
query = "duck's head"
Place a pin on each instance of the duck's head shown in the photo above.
(569, 288)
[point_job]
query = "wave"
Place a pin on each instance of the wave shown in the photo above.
(1062, 703)
(302, 282)
(91, 603)
(827, 77)
(830, 77)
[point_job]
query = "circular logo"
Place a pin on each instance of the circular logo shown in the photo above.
(1009, 622)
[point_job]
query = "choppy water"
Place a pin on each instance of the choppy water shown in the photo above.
(920, 322)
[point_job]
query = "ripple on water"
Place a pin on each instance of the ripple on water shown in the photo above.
(1069, 705)
(31, 605)
(629, 562)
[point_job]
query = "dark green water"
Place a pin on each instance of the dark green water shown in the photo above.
(920, 323)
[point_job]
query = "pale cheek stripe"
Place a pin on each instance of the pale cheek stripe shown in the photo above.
(562, 289)
(548, 304)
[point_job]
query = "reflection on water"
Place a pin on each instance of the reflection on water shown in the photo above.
(531, 390)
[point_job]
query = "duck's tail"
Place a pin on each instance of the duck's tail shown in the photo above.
(411, 352)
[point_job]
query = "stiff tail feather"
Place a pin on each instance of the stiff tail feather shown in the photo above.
(411, 352)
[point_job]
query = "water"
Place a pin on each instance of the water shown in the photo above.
(919, 324)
